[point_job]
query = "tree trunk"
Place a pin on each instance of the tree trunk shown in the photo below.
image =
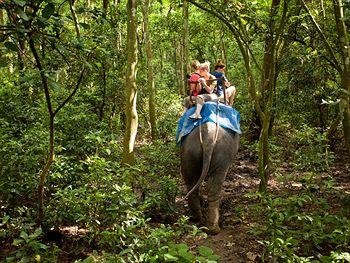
(178, 67)
(105, 5)
(104, 88)
(345, 74)
(150, 79)
(45, 172)
(185, 36)
(131, 88)
(20, 54)
(223, 53)
(2, 23)
(75, 18)
(2, 20)
(345, 108)
(50, 159)
(52, 114)
(267, 90)
(263, 153)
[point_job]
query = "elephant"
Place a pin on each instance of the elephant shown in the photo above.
(207, 152)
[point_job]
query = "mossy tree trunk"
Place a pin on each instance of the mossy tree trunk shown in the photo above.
(344, 47)
(150, 77)
(130, 85)
(178, 66)
(345, 108)
(45, 171)
(185, 39)
(267, 89)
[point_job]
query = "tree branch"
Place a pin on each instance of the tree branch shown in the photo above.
(73, 92)
(328, 46)
(238, 36)
(42, 75)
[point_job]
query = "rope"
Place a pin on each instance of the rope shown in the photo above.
(217, 122)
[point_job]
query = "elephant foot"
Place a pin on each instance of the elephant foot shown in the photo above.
(213, 230)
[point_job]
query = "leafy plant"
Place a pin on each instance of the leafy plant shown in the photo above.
(297, 232)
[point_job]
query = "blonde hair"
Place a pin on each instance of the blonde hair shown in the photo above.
(205, 66)
(195, 64)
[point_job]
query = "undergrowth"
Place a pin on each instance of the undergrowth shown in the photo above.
(307, 224)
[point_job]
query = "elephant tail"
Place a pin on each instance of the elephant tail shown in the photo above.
(208, 148)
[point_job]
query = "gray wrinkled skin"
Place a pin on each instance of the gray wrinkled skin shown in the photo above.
(210, 160)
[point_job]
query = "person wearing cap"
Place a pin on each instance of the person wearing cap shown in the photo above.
(222, 82)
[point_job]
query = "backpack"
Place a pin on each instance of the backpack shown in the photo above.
(194, 84)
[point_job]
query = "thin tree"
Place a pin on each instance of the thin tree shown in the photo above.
(185, 36)
(130, 85)
(75, 18)
(150, 77)
(52, 114)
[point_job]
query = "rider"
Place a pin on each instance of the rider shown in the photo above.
(206, 94)
(223, 82)
(195, 85)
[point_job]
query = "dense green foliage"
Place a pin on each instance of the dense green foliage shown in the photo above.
(308, 224)
(96, 209)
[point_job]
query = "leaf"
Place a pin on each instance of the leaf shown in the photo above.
(124, 251)
(19, 2)
(213, 258)
(23, 15)
(11, 46)
(205, 251)
(170, 258)
(37, 232)
(98, 64)
(326, 102)
(16, 242)
(182, 247)
(42, 246)
(23, 235)
(48, 10)
(5, 219)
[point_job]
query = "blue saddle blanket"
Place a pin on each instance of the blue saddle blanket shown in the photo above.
(226, 116)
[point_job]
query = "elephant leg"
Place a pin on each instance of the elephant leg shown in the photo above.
(213, 217)
(215, 183)
(194, 199)
(195, 206)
